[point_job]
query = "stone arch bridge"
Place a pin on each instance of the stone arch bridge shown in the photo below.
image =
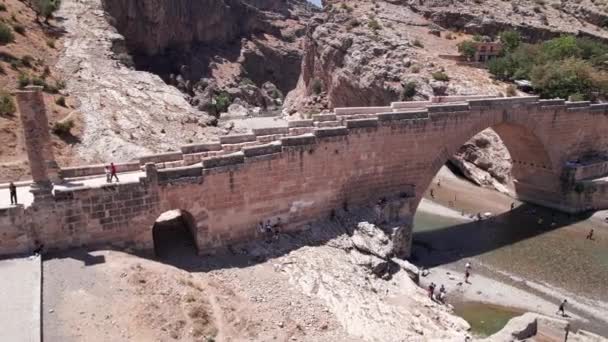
(303, 172)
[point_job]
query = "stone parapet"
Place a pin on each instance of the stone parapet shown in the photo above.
(414, 115)
(305, 139)
(237, 138)
(330, 132)
(198, 148)
(161, 157)
(97, 169)
(225, 160)
(255, 151)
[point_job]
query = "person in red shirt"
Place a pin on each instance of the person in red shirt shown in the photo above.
(113, 172)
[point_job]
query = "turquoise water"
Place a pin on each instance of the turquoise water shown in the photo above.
(485, 319)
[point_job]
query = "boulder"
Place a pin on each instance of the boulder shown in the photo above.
(370, 239)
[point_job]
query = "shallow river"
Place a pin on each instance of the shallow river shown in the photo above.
(529, 243)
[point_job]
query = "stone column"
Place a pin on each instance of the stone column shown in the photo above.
(38, 145)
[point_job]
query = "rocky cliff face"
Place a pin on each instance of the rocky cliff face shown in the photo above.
(535, 20)
(217, 48)
(369, 53)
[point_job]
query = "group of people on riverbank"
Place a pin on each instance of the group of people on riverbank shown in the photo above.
(440, 296)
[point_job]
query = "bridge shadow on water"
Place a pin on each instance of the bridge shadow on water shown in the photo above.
(438, 246)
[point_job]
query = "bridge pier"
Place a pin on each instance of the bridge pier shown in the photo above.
(38, 145)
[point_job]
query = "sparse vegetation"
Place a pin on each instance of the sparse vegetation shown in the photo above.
(23, 80)
(511, 90)
(63, 127)
(7, 105)
(317, 86)
(45, 8)
(415, 69)
(2, 8)
(246, 81)
(61, 101)
(222, 102)
(19, 29)
(6, 34)
(374, 25)
(409, 91)
(27, 61)
(467, 49)
(440, 76)
(51, 43)
(417, 43)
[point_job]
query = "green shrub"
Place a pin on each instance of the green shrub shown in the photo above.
(222, 102)
(27, 61)
(477, 38)
(374, 25)
(417, 43)
(63, 127)
(440, 76)
(49, 88)
(415, 68)
(61, 101)
(317, 86)
(19, 29)
(510, 40)
(572, 76)
(6, 34)
(23, 80)
(7, 105)
(45, 8)
(467, 49)
(511, 90)
(409, 91)
(246, 81)
(37, 81)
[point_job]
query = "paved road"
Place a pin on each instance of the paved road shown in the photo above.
(25, 197)
(20, 286)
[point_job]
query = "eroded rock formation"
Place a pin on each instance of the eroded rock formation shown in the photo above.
(218, 52)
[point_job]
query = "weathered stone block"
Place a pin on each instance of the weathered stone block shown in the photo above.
(552, 102)
(362, 123)
(160, 157)
(331, 132)
(270, 131)
(403, 116)
(448, 108)
(307, 139)
(237, 138)
(229, 159)
(198, 148)
(262, 150)
(324, 117)
(299, 123)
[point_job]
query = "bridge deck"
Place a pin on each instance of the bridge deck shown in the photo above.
(25, 197)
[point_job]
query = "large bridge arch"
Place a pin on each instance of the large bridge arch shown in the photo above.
(533, 165)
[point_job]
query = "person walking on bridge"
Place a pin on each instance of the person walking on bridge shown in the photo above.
(13, 192)
(113, 172)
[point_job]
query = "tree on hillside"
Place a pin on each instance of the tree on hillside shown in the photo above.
(510, 40)
(467, 49)
(44, 8)
(572, 77)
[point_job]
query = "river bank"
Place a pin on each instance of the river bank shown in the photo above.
(526, 259)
